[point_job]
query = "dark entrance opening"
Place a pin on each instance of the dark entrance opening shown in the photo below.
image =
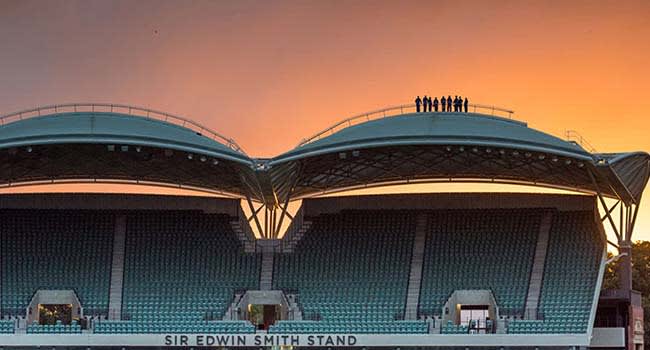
(263, 316)
(54, 314)
(476, 318)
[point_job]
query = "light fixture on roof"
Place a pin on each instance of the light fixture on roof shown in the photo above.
(190, 156)
(554, 159)
(475, 150)
(203, 158)
(567, 162)
(355, 153)
(527, 154)
(342, 155)
(215, 162)
(448, 149)
(111, 148)
(462, 149)
(138, 149)
(124, 148)
(502, 152)
(488, 150)
(29, 149)
(541, 157)
(580, 165)
(515, 153)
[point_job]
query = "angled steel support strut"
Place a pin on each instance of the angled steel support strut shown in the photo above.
(607, 210)
(252, 208)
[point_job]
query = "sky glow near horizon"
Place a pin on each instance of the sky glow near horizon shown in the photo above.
(269, 73)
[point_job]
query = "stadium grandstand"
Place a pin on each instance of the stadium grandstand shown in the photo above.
(277, 253)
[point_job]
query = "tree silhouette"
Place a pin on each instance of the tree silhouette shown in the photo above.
(640, 278)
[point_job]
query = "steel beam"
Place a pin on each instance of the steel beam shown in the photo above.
(610, 210)
(257, 221)
(602, 202)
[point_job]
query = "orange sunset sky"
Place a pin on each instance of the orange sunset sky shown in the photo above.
(268, 73)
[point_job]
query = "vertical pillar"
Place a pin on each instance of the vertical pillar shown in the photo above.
(625, 266)
(117, 270)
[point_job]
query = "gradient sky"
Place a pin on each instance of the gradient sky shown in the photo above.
(269, 73)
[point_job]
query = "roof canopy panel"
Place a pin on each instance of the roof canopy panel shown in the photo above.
(438, 147)
(105, 128)
(71, 163)
(440, 129)
(133, 144)
(105, 146)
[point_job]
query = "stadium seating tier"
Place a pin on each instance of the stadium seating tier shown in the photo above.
(570, 276)
(351, 270)
(181, 272)
(55, 249)
(479, 249)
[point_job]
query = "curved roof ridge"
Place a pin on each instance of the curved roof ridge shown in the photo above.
(400, 110)
(125, 110)
(437, 128)
(102, 127)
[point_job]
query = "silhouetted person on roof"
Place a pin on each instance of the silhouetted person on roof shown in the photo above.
(466, 104)
(443, 103)
(429, 103)
(425, 103)
(435, 104)
(418, 102)
(449, 103)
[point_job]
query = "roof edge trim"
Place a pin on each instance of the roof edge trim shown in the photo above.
(418, 141)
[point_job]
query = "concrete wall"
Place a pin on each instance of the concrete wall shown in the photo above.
(468, 297)
(99, 201)
(317, 206)
(481, 341)
(608, 338)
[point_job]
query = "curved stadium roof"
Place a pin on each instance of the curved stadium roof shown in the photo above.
(440, 147)
(94, 142)
(125, 143)
(112, 128)
(439, 128)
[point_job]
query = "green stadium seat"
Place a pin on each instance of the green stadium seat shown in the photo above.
(55, 249)
(58, 328)
(570, 276)
(182, 269)
(351, 271)
(7, 326)
(489, 249)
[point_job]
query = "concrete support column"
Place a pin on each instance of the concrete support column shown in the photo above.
(625, 266)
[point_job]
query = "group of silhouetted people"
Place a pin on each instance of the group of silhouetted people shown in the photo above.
(425, 104)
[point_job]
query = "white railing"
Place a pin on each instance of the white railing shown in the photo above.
(399, 110)
(574, 136)
(121, 109)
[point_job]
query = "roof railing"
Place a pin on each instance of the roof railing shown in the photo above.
(122, 109)
(399, 110)
(575, 137)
